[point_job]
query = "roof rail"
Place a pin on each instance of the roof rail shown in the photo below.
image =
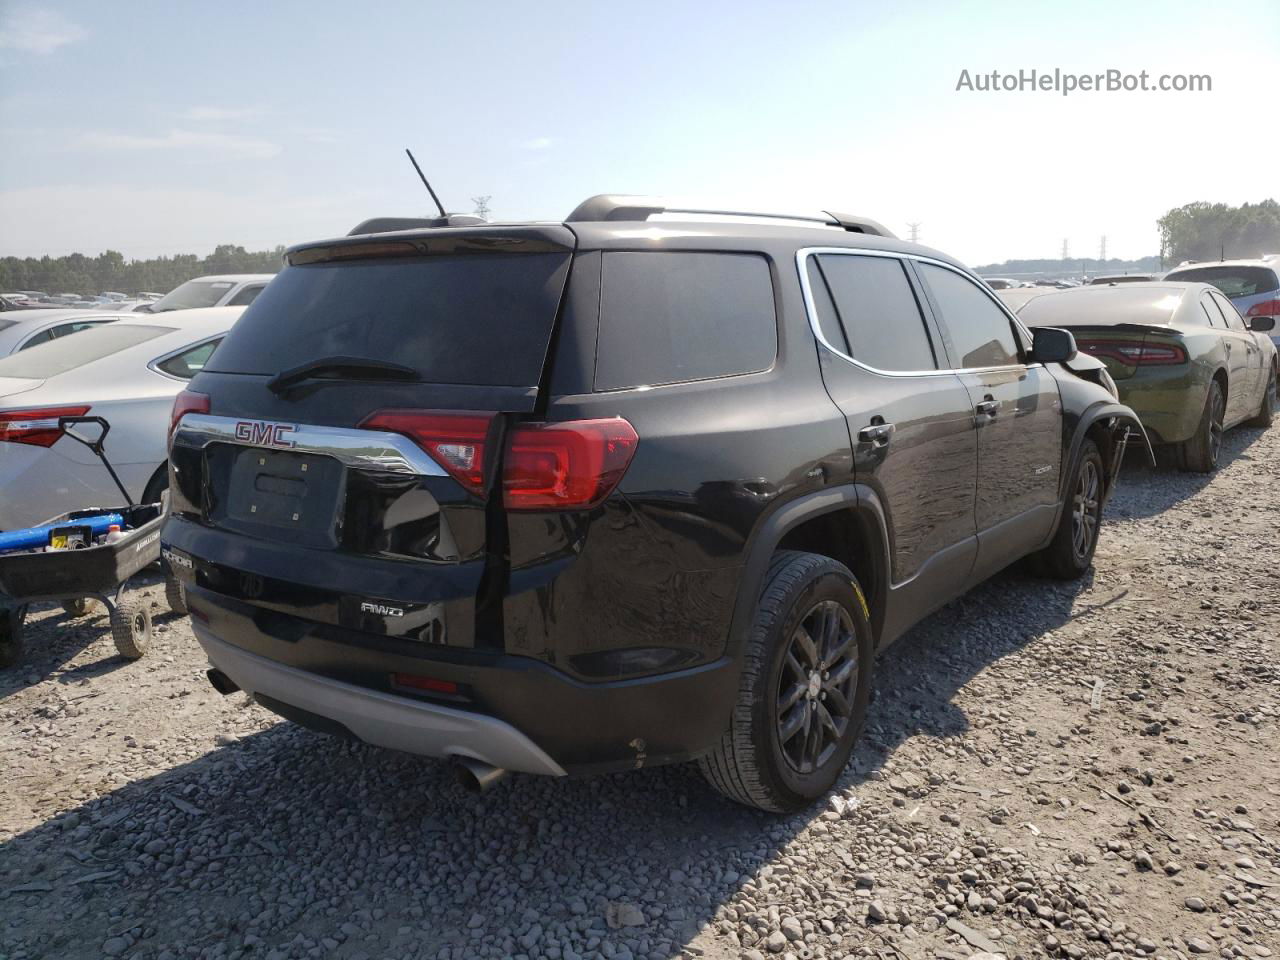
(605, 207)
(390, 224)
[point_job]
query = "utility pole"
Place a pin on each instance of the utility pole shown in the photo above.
(482, 206)
(915, 232)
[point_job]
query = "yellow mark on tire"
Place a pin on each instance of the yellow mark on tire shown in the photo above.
(862, 601)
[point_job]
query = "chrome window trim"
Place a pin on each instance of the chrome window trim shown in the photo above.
(811, 310)
(361, 449)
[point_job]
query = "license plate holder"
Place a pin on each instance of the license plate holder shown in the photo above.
(279, 491)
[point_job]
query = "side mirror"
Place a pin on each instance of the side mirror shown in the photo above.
(1262, 324)
(1051, 345)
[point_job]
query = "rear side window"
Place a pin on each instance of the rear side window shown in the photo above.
(246, 296)
(67, 353)
(877, 309)
(668, 317)
(1216, 318)
(188, 363)
(981, 332)
(482, 319)
(1234, 320)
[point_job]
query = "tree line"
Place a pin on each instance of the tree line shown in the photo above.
(1209, 231)
(77, 273)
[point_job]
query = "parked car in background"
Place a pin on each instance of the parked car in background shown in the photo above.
(1000, 283)
(1252, 285)
(581, 497)
(228, 290)
(127, 371)
(1180, 354)
(30, 328)
(1122, 278)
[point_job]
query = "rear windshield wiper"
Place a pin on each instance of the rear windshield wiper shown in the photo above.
(356, 368)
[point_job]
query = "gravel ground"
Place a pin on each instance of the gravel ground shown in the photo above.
(1071, 771)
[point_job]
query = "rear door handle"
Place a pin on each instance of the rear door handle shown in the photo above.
(877, 434)
(987, 408)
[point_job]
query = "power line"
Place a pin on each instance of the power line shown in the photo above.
(915, 232)
(482, 206)
(1102, 249)
(1066, 249)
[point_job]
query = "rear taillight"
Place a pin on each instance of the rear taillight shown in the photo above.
(188, 401)
(1267, 308)
(456, 441)
(37, 427)
(1134, 353)
(547, 466)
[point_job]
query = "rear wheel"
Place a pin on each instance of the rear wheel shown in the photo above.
(11, 639)
(1266, 413)
(175, 595)
(131, 627)
(1200, 453)
(1070, 553)
(802, 699)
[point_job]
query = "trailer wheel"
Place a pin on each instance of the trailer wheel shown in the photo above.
(131, 628)
(11, 629)
(79, 607)
(176, 596)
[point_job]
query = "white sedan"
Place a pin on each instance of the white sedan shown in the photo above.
(21, 329)
(127, 372)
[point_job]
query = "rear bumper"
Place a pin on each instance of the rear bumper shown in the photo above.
(382, 719)
(1167, 400)
(514, 712)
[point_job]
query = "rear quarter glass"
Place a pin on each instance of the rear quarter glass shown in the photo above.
(672, 317)
(471, 319)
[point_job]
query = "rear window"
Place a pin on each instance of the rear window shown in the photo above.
(1233, 281)
(671, 317)
(481, 319)
(66, 353)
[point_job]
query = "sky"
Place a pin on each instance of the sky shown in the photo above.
(170, 128)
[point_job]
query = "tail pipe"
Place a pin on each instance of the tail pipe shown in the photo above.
(221, 682)
(476, 776)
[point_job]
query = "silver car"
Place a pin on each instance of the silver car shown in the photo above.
(127, 372)
(23, 329)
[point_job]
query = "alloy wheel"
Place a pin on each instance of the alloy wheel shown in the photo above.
(816, 686)
(1085, 508)
(1216, 417)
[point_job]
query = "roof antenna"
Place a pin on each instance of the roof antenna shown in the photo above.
(423, 177)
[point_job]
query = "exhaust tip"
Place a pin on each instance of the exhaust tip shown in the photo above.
(221, 682)
(476, 776)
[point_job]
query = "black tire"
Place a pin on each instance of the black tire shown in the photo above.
(756, 763)
(11, 635)
(1200, 453)
(131, 628)
(157, 485)
(1266, 413)
(175, 596)
(79, 607)
(1070, 553)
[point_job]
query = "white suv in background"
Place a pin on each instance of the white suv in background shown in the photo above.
(1252, 285)
(223, 290)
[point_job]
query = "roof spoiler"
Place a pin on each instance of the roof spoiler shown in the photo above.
(391, 224)
(610, 207)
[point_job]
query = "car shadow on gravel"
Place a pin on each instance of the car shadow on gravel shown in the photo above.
(289, 832)
(1145, 491)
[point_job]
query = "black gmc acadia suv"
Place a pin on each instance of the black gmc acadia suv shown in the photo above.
(619, 491)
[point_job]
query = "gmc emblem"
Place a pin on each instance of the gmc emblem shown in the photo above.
(261, 433)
